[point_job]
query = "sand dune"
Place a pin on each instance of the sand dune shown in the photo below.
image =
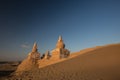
(99, 63)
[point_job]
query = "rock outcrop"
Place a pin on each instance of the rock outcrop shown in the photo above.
(47, 55)
(35, 61)
(34, 55)
(60, 51)
(56, 55)
(30, 63)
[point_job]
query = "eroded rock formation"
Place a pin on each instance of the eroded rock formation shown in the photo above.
(60, 51)
(30, 62)
(35, 61)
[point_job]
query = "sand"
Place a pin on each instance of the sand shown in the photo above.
(98, 63)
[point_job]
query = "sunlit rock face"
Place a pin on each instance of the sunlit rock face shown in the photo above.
(60, 51)
(34, 55)
(47, 55)
(30, 62)
(60, 44)
(56, 53)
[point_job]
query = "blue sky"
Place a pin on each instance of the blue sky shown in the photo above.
(82, 24)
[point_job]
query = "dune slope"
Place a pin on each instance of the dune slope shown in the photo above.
(99, 64)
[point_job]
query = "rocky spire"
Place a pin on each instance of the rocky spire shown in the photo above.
(30, 62)
(60, 38)
(47, 55)
(34, 54)
(34, 49)
(60, 43)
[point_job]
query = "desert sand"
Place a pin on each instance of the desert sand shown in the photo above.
(98, 63)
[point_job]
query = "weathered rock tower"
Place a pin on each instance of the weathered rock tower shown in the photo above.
(60, 51)
(30, 63)
(34, 55)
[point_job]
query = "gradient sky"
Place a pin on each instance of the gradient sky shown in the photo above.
(82, 24)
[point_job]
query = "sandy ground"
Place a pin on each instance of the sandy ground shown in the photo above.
(99, 63)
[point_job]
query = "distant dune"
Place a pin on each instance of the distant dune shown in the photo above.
(98, 63)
